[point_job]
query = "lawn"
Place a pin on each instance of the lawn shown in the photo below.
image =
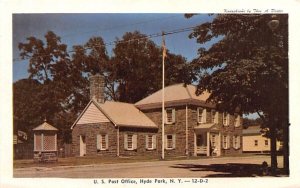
(88, 160)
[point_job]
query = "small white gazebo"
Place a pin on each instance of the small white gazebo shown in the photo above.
(45, 143)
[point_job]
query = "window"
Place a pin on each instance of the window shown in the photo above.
(225, 119)
(236, 142)
(201, 115)
(213, 116)
(266, 143)
(102, 142)
(255, 142)
(170, 115)
(130, 141)
(170, 141)
(237, 120)
(226, 142)
(150, 142)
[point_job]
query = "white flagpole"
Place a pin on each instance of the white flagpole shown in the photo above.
(163, 98)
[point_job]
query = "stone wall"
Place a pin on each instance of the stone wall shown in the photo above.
(179, 128)
(141, 142)
(90, 131)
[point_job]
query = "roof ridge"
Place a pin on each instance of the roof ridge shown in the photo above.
(118, 102)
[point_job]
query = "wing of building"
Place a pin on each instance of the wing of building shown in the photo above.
(254, 141)
(192, 126)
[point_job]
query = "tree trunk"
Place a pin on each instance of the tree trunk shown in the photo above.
(286, 148)
(273, 148)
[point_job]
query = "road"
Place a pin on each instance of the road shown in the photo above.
(208, 167)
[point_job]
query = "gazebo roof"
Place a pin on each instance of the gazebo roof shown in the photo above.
(45, 127)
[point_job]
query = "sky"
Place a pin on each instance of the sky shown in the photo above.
(77, 29)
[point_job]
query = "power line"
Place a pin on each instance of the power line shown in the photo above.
(120, 26)
(154, 35)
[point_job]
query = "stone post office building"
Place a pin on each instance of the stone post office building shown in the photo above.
(192, 126)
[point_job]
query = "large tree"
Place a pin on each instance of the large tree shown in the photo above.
(247, 69)
(137, 63)
(63, 88)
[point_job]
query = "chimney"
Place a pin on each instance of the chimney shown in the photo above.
(97, 88)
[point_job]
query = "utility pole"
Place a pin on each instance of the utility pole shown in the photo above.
(164, 51)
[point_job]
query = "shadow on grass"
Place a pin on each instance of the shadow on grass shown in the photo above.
(225, 170)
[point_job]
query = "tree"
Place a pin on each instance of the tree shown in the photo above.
(27, 110)
(137, 64)
(63, 89)
(247, 69)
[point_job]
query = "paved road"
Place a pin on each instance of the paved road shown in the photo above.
(208, 167)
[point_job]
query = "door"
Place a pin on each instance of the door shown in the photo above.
(214, 143)
(82, 145)
(201, 145)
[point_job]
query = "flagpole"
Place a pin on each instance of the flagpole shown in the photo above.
(163, 98)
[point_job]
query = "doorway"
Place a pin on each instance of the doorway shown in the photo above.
(82, 146)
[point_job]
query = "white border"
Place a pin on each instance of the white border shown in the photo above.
(8, 7)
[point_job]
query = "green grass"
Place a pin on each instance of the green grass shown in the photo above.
(88, 160)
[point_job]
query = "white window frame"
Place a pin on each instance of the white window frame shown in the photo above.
(130, 137)
(236, 142)
(173, 140)
(172, 116)
(101, 146)
(153, 142)
(237, 120)
(225, 142)
(201, 115)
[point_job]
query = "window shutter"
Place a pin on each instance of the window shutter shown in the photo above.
(166, 119)
(216, 117)
(146, 138)
(174, 140)
(238, 142)
(34, 142)
(134, 141)
(173, 115)
(106, 141)
(166, 140)
(99, 140)
(154, 141)
(228, 119)
(125, 142)
(228, 142)
(223, 146)
(204, 116)
(238, 121)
